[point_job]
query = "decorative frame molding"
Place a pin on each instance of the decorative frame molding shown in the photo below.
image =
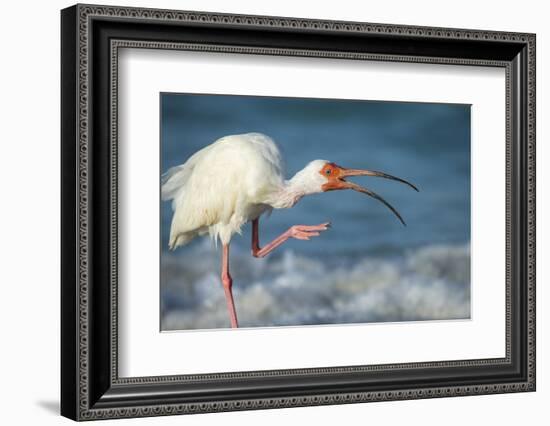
(91, 388)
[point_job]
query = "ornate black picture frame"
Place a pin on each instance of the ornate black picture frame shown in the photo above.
(91, 36)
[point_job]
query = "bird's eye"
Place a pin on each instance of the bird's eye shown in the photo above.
(327, 172)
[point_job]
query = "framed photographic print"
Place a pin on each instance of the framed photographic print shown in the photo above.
(263, 212)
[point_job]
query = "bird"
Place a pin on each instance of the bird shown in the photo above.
(238, 178)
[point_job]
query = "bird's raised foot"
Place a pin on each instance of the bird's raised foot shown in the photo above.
(305, 232)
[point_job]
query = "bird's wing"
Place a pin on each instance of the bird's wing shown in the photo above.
(208, 194)
(265, 167)
(217, 186)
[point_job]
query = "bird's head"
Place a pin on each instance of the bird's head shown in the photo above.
(324, 176)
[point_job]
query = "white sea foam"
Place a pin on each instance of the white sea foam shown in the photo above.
(428, 283)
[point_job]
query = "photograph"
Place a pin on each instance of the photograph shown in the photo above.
(279, 211)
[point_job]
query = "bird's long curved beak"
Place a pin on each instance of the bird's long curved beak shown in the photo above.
(342, 183)
(358, 172)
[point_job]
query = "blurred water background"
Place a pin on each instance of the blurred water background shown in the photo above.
(367, 267)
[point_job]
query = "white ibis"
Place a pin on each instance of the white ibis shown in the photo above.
(234, 181)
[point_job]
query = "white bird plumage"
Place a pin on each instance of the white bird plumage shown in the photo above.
(230, 182)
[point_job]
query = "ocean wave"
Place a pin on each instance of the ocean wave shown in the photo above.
(427, 283)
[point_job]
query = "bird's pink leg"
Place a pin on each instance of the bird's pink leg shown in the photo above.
(227, 282)
(300, 232)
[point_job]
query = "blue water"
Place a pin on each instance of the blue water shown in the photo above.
(426, 144)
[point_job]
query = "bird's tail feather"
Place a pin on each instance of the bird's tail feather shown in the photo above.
(174, 181)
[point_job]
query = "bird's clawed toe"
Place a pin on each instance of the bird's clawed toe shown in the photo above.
(305, 232)
(306, 235)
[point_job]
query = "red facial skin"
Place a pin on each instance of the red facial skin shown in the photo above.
(334, 175)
